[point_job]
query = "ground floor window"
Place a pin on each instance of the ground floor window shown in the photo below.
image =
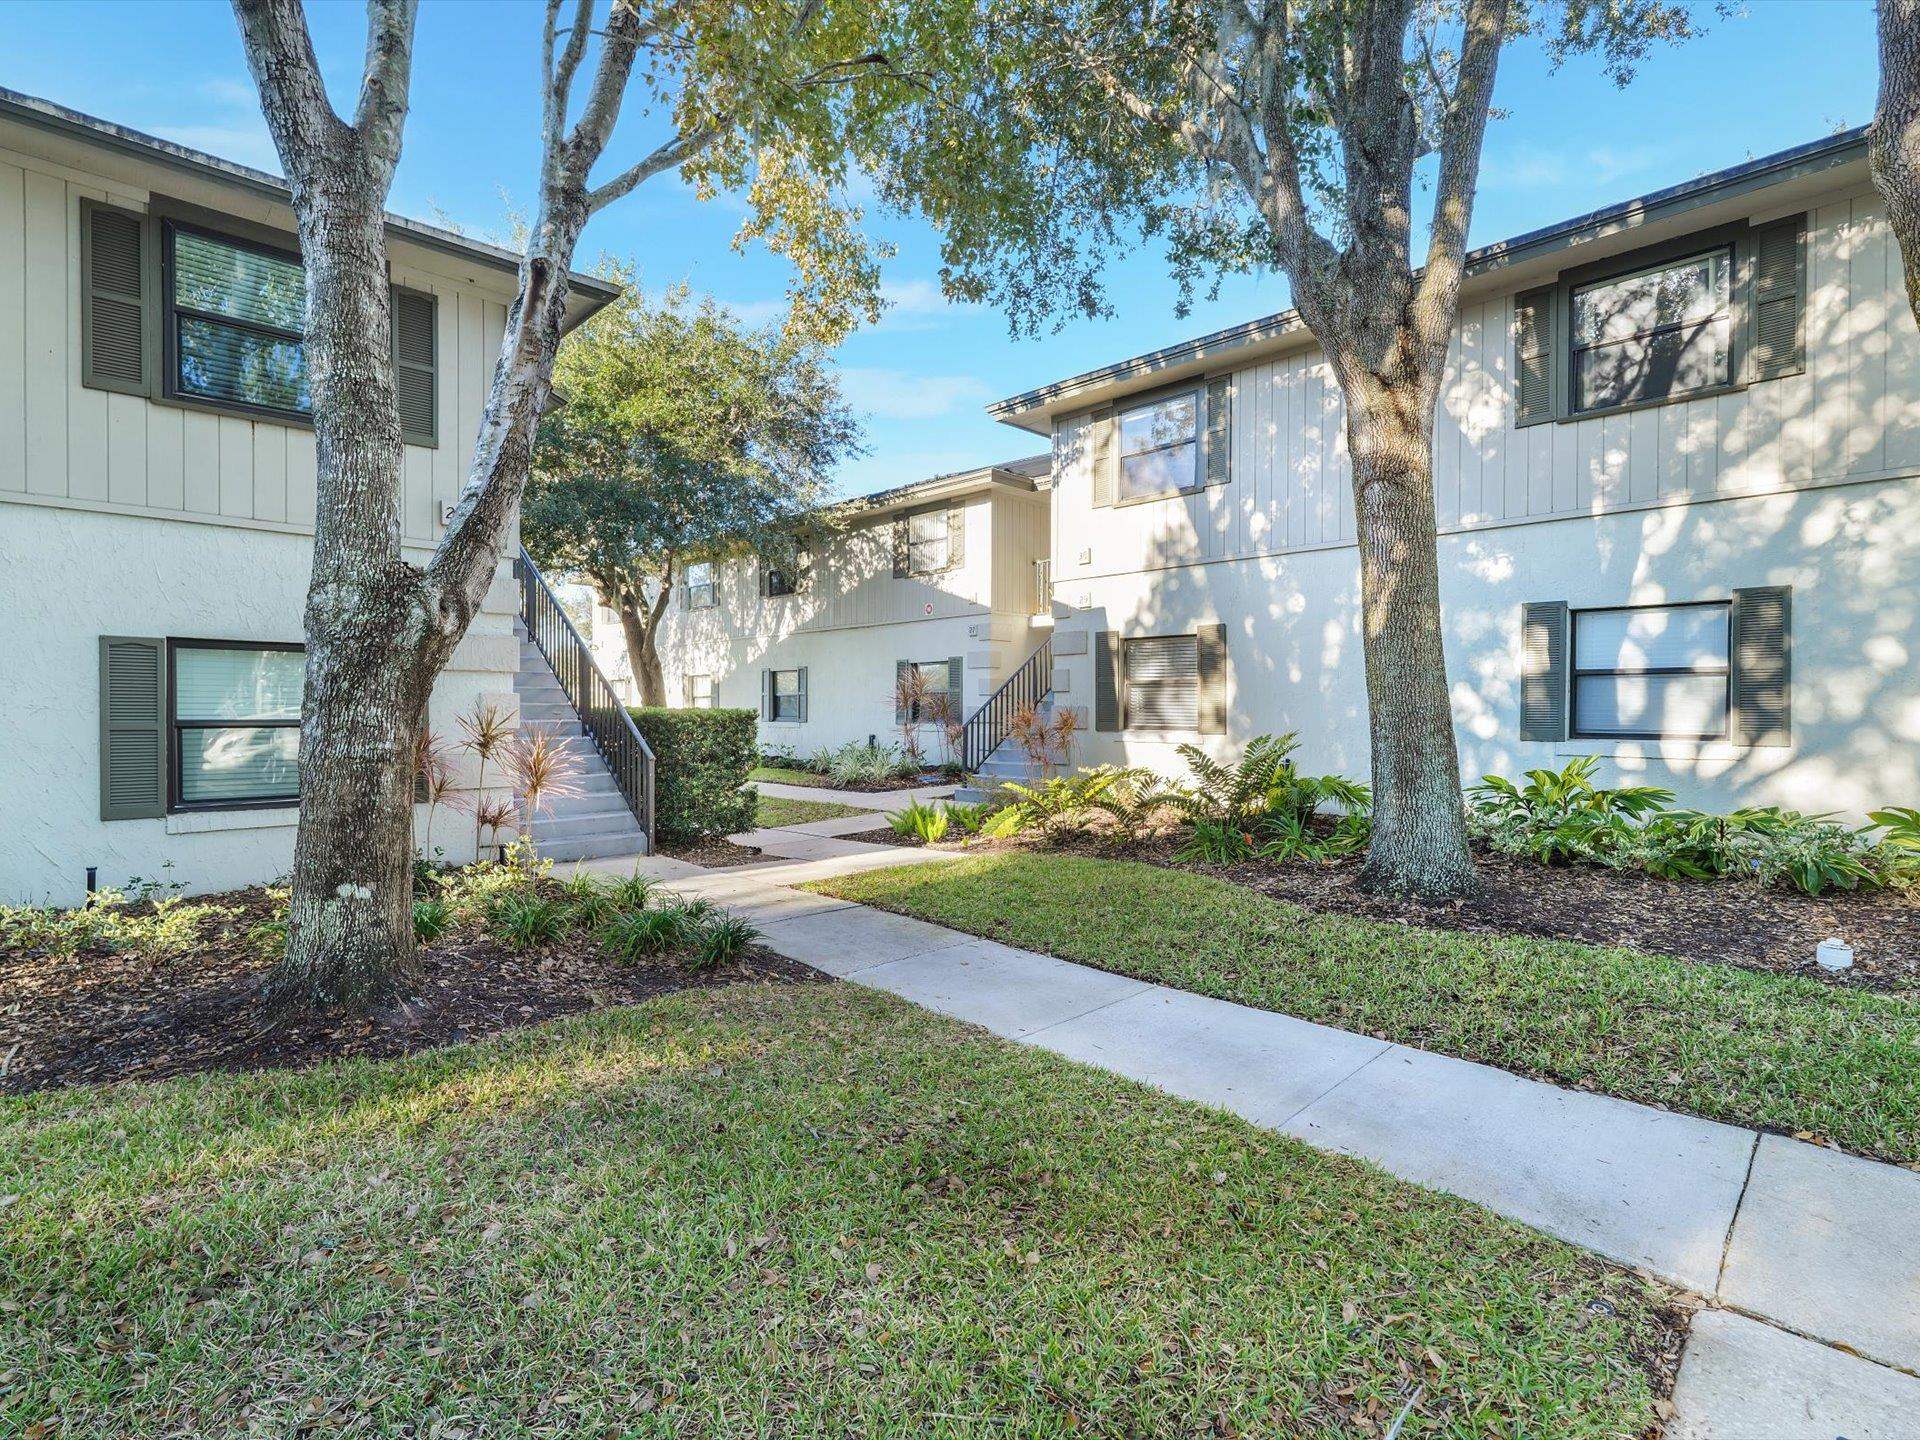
(235, 723)
(788, 690)
(1163, 682)
(699, 692)
(1654, 671)
(929, 692)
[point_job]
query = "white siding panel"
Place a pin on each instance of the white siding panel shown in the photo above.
(13, 326)
(47, 342)
(166, 475)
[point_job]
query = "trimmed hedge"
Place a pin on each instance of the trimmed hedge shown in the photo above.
(702, 759)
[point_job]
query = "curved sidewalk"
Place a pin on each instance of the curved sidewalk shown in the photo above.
(1808, 1258)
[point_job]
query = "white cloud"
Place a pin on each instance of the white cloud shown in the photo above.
(1529, 167)
(913, 305)
(892, 395)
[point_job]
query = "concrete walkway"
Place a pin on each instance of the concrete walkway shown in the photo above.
(1810, 1259)
(864, 799)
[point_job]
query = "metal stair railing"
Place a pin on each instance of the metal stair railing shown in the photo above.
(1024, 689)
(588, 690)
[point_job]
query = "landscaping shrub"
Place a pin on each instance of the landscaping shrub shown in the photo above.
(968, 818)
(703, 760)
(431, 917)
(109, 921)
(721, 941)
(860, 763)
(928, 822)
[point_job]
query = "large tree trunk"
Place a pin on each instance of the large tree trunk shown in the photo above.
(1419, 844)
(1894, 142)
(643, 651)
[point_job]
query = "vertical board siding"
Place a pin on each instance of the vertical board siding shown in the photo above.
(62, 440)
(1854, 412)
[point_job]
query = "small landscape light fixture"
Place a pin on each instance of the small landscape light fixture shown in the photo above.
(1833, 955)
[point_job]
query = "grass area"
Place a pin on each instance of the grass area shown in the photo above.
(1777, 1051)
(776, 810)
(787, 775)
(793, 1210)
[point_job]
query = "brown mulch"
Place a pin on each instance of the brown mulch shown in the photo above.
(883, 836)
(92, 1017)
(716, 852)
(874, 787)
(1725, 922)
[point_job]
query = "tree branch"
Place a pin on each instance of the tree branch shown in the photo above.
(664, 157)
(381, 115)
(292, 95)
(1462, 129)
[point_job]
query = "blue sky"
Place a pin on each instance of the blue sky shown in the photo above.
(1782, 72)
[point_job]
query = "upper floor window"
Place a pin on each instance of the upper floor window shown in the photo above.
(1655, 334)
(1654, 671)
(701, 591)
(784, 578)
(1160, 446)
(235, 317)
(928, 542)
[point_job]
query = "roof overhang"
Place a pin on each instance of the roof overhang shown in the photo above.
(958, 485)
(1791, 178)
(95, 136)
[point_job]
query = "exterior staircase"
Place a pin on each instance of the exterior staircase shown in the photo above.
(992, 756)
(596, 822)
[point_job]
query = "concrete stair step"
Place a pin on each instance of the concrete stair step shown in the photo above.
(568, 807)
(593, 847)
(572, 827)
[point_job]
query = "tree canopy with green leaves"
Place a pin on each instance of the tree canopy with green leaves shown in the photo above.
(684, 434)
(1278, 135)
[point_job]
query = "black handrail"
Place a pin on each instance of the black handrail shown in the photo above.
(591, 694)
(1024, 689)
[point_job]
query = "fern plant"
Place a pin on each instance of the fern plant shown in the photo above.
(927, 823)
(1238, 794)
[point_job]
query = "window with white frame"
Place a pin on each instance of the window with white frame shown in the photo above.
(1160, 446)
(1654, 671)
(927, 542)
(1655, 334)
(235, 723)
(700, 585)
(786, 695)
(699, 692)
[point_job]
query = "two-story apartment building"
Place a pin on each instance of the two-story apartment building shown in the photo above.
(939, 577)
(157, 482)
(1678, 491)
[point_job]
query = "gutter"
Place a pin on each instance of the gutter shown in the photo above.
(1800, 161)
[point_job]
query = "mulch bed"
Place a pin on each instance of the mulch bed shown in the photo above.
(717, 852)
(80, 1019)
(871, 787)
(883, 836)
(1722, 922)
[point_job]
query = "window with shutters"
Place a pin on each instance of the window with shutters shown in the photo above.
(234, 322)
(234, 724)
(1654, 334)
(1159, 446)
(928, 535)
(928, 692)
(699, 692)
(701, 591)
(786, 695)
(1163, 682)
(1653, 671)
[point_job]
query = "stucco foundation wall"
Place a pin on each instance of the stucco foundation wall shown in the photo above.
(68, 577)
(1851, 553)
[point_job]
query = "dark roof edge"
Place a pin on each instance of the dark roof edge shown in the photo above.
(48, 115)
(1001, 473)
(1806, 159)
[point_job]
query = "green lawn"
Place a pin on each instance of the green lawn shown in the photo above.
(775, 810)
(763, 1210)
(1776, 1051)
(787, 775)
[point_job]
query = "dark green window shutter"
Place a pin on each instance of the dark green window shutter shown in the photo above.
(900, 554)
(1762, 646)
(766, 586)
(1108, 712)
(1106, 456)
(1211, 645)
(766, 695)
(133, 728)
(956, 536)
(803, 695)
(115, 297)
(415, 340)
(1219, 431)
(1533, 352)
(1777, 340)
(956, 694)
(1543, 671)
(900, 669)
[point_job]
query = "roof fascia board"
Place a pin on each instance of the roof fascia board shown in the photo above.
(1032, 409)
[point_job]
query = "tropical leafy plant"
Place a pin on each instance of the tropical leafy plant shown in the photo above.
(1561, 816)
(860, 763)
(1056, 805)
(1216, 842)
(1131, 802)
(928, 823)
(1900, 847)
(968, 818)
(1294, 837)
(432, 917)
